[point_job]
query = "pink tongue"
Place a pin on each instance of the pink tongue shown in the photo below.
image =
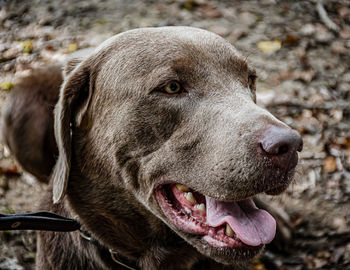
(252, 225)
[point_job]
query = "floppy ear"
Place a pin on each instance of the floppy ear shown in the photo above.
(73, 101)
(70, 66)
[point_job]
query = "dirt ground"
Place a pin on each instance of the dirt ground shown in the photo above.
(301, 50)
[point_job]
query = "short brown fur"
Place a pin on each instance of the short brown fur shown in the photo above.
(119, 138)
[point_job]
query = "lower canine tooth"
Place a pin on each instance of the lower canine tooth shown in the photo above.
(229, 231)
(200, 207)
(189, 196)
(182, 188)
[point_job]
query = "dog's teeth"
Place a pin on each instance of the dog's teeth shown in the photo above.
(189, 196)
(200, 207)
(229, 231)
(182, 188)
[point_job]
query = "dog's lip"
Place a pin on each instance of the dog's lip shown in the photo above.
(275, 190)
(198, 233)
(165, 181)
(193, 225)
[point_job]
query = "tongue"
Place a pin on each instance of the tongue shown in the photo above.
(252, 225)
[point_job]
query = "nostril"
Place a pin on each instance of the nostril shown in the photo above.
(280, 145)
(282, 149)
(274, 148)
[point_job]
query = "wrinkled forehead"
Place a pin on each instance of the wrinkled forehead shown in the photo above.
(143, 50)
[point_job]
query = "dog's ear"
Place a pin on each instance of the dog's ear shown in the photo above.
(70, 109)
(70, 66)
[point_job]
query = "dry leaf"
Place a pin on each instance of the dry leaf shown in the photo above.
(347, 142)
(305, 75)
(338, 47)
(345, 33)
(330, 164)
(8, 167)
(6, 86)
(291, 39)
(209, 12)
(27, 46)
(337, 254)
(72, 47)
(270, 46)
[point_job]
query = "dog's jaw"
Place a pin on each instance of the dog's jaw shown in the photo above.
(192, 216)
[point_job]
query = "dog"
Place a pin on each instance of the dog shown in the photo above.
(159, 149)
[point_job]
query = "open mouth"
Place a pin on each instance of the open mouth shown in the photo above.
(232, 225)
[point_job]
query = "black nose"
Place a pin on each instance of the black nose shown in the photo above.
(280, 145)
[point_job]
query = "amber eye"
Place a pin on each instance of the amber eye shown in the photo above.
(173, 88)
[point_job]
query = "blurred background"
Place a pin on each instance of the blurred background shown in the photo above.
(301, 50)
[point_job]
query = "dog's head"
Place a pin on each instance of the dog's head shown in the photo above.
(160, 124)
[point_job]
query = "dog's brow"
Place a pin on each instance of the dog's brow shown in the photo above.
(182, 63)
(160, 76)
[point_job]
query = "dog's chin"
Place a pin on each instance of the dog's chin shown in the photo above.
(205, 223)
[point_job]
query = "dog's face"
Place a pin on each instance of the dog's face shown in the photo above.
(164, 121)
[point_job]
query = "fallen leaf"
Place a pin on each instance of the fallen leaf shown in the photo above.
(270, 46)
(323, 254)
(27, 46)
(236, 34)
(345, 33)
(189, 4)
(347, 142)
(72, 47)
(330, 164)
(4, 183)
(291, 39)
(343, 11)
(338, 47)
(6, 86)
(220, 30)
(337, 254)
(305, 75)
(210, 12)
(307, 29)
(9, 210)
(247, 18)
(8, 167)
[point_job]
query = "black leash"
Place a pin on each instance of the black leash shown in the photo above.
(41, 221)
(48, 221)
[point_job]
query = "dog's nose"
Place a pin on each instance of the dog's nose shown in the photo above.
(280, 145)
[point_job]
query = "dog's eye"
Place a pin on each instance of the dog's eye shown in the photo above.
(173, 88)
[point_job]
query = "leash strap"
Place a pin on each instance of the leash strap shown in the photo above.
(48, 221)
(42, 221)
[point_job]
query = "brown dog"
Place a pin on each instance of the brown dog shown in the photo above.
(160, 149)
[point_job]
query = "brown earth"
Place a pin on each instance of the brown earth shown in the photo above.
(304, 79)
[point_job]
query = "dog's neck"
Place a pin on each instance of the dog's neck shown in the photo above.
(104, 252)
(159, 261)
(158, 255)
(132, 234)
